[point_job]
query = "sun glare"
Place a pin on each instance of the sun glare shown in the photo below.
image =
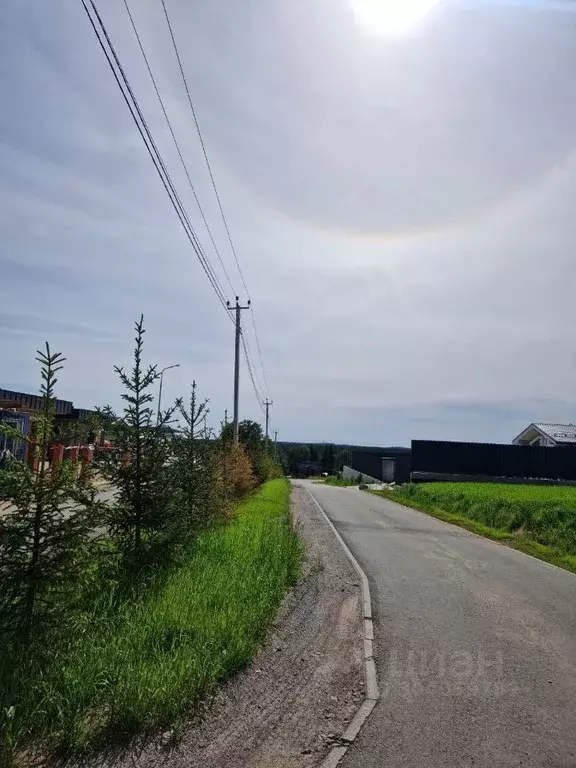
(391, 17)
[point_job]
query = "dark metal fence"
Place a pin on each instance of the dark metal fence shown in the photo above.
(493, 460)
(367, 464)
(403, 467)
(370, 463)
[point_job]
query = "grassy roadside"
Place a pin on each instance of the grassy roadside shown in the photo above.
(515, 541)
(148, 664)
(339, 482)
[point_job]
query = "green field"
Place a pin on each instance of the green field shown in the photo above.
(533, 518)
(146, 665)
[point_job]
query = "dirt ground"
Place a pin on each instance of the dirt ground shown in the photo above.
(305, 685)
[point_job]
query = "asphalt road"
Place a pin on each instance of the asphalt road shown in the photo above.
(475, 644)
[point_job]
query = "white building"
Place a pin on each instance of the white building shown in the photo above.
(547, 435)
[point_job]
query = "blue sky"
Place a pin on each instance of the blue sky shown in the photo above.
(402, 207)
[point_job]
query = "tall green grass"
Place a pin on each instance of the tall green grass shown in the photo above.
(145, 664)
(538, 519)
(340, 482)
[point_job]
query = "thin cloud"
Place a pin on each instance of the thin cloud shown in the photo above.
(14, 322)
(343, 163)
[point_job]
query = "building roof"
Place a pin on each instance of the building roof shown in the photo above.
(25, 402)
(560, 433)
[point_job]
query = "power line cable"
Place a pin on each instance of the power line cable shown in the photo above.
(154, 153)
(251, 372)
(214, 186)
(155, 156)
(176, 144)
(212, 179)
(254, 368)
(259, 350)
(181, 211)
(158, 162)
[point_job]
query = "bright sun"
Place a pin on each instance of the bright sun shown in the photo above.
(391, 17)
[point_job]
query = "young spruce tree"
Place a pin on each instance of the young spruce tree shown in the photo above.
(45, 528)
(141, 516)
(192, 470)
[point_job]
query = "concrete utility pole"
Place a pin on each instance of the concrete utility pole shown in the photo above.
(267, 404)
(238, 310)
(275, 445)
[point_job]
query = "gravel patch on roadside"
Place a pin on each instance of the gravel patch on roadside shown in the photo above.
(305, 685)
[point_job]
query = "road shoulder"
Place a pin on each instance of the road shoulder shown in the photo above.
(291, 706)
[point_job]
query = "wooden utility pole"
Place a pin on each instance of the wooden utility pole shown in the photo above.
(238, 310)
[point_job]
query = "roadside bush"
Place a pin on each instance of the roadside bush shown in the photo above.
(265, 468)
(251, 437)
(233, 472)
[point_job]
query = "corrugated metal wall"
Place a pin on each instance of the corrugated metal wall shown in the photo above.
(34, 402)
(493, 460)
(372, 464)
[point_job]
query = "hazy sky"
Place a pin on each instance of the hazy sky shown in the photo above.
(403, 208)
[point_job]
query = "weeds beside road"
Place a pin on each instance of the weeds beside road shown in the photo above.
(339, 482)
(146, 664)
(536, 519)
(120, 609)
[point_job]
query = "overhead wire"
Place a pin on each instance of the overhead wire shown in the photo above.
(261, 389)
(251, 372)
(259, 351)
(160, 166)
(147, 138)
(214, 186)
(199, 132)
(176, 143)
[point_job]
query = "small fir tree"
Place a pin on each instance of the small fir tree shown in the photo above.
(192, 469)
(138, 466)
(45, 528)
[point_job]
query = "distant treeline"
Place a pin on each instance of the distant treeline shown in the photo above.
(325, 457)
